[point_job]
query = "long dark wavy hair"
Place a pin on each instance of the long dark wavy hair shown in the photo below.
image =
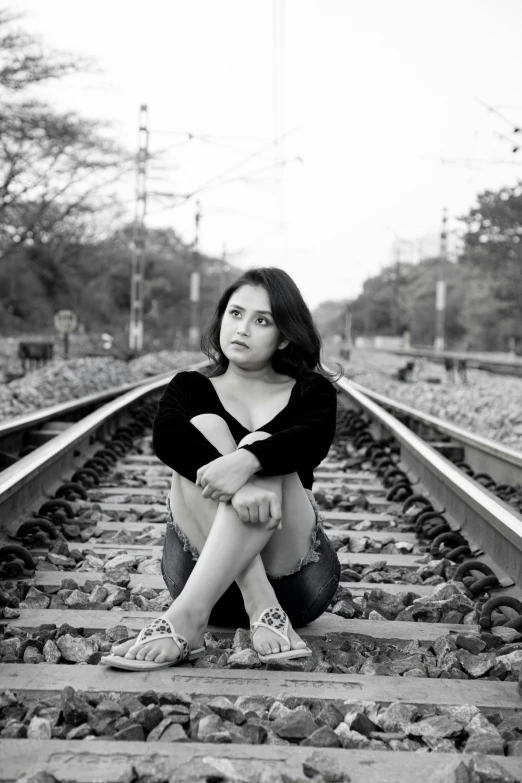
(301, 358)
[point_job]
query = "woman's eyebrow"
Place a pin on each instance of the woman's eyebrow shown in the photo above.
(238, 307)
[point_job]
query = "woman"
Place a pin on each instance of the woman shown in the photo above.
(244, 541)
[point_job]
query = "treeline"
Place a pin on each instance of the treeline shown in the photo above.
(484, 287)
(59, 203)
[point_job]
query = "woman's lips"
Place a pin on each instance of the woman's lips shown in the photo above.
(239, 344)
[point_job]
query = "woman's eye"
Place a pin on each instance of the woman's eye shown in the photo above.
(263, 320)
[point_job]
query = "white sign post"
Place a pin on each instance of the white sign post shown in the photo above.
(65, 321)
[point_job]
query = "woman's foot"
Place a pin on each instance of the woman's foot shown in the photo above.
(267, 642)
(165, 650)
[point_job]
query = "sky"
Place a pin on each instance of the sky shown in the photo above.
(379, 108)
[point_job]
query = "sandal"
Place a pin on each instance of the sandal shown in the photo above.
(159, 628)
(276, 620)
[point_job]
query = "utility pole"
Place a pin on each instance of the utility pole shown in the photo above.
(195, 281)
(138, 239)
(440, 291)
(397, 289)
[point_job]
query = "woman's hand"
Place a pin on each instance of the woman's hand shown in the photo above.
(224, 476)
(258, 505)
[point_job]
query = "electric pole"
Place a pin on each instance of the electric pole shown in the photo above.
(195, 281)
(138, 238)
(440, 291)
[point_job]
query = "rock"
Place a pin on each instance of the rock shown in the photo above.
(75, 707)
(475, 665)
(362, 724)
(344, 609)
(121, 561)
(485, 743)
(514, 748)
(350, 739)
(77, 597)
(10, 613)
(245, 659)
(33, 655)
(51, 652)
(512, 661)
(479, 724)
(324, 768)
(506, 634)
(76, 648)
(473, 644)
(116, 594)
(212, 729)
(455, 772)
(172, 733)
(150, 566)
(484, 770)
(133, 733)
(397, 716)
(298, 725)
(227, 710)
(329, 716)
(10, 646)
(436, 726)
(440, 745)
(242, 640)
(99, 593)
(39, 729)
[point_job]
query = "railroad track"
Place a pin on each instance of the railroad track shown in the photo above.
(411, 670)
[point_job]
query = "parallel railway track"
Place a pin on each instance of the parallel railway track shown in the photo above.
(358, 655)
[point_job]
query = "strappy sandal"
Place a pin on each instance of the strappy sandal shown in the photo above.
(160, 628)
(276, 620)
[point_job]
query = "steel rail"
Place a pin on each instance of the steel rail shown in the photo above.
(497, 365)
(483, 454)
(34, 418)
(30, 478)
(490, 524)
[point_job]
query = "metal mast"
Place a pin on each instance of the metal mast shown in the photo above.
(195, 284)
(138, 239)
(440, 291)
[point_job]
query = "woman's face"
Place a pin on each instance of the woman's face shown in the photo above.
(249, 337)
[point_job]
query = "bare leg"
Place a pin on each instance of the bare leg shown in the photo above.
(232, 553)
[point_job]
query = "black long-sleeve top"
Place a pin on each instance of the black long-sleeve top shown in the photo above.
(301, 433)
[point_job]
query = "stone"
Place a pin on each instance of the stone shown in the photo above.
(122, 560)
(362, 724)
(440, 745)
(76, 648)
(39, 729)
(51, 652)
(227, 710)
(33, 655)
(150, 566)
(245, 659)
(212, 729)
(77, 597)
(172, 733)
(324, 737)
(472, 643)
(344, 609)
(350, 739)
(10, 613)
(506, 634)
(37, 777)
(133, 733)
(397, 716)
(485, 770)
(329, 716)
(242, 640)
(10, 646)
(116, 594)
(455, 772)
(475, 665)
(298, 725)
(325, 768)
(485, 743)
(98, 594)
(435, 726)
(479, 724)
(74, 706)
(148, 717)
(512, 661)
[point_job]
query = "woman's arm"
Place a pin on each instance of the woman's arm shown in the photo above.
(307, 442)
(177, 442)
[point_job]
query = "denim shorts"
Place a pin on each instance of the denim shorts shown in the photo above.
(304, 593)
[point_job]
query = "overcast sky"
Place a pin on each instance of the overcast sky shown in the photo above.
(370, 96)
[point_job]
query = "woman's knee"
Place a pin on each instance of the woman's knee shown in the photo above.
(252, 437)
(216, 430)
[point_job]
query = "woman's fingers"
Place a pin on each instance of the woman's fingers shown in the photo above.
(264, 511)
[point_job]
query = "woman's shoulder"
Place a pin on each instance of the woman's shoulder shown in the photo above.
(317, 383)
(187, 380)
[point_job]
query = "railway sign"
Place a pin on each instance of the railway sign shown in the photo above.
(65, 321)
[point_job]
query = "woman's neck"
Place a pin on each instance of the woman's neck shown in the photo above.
(266, 374)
